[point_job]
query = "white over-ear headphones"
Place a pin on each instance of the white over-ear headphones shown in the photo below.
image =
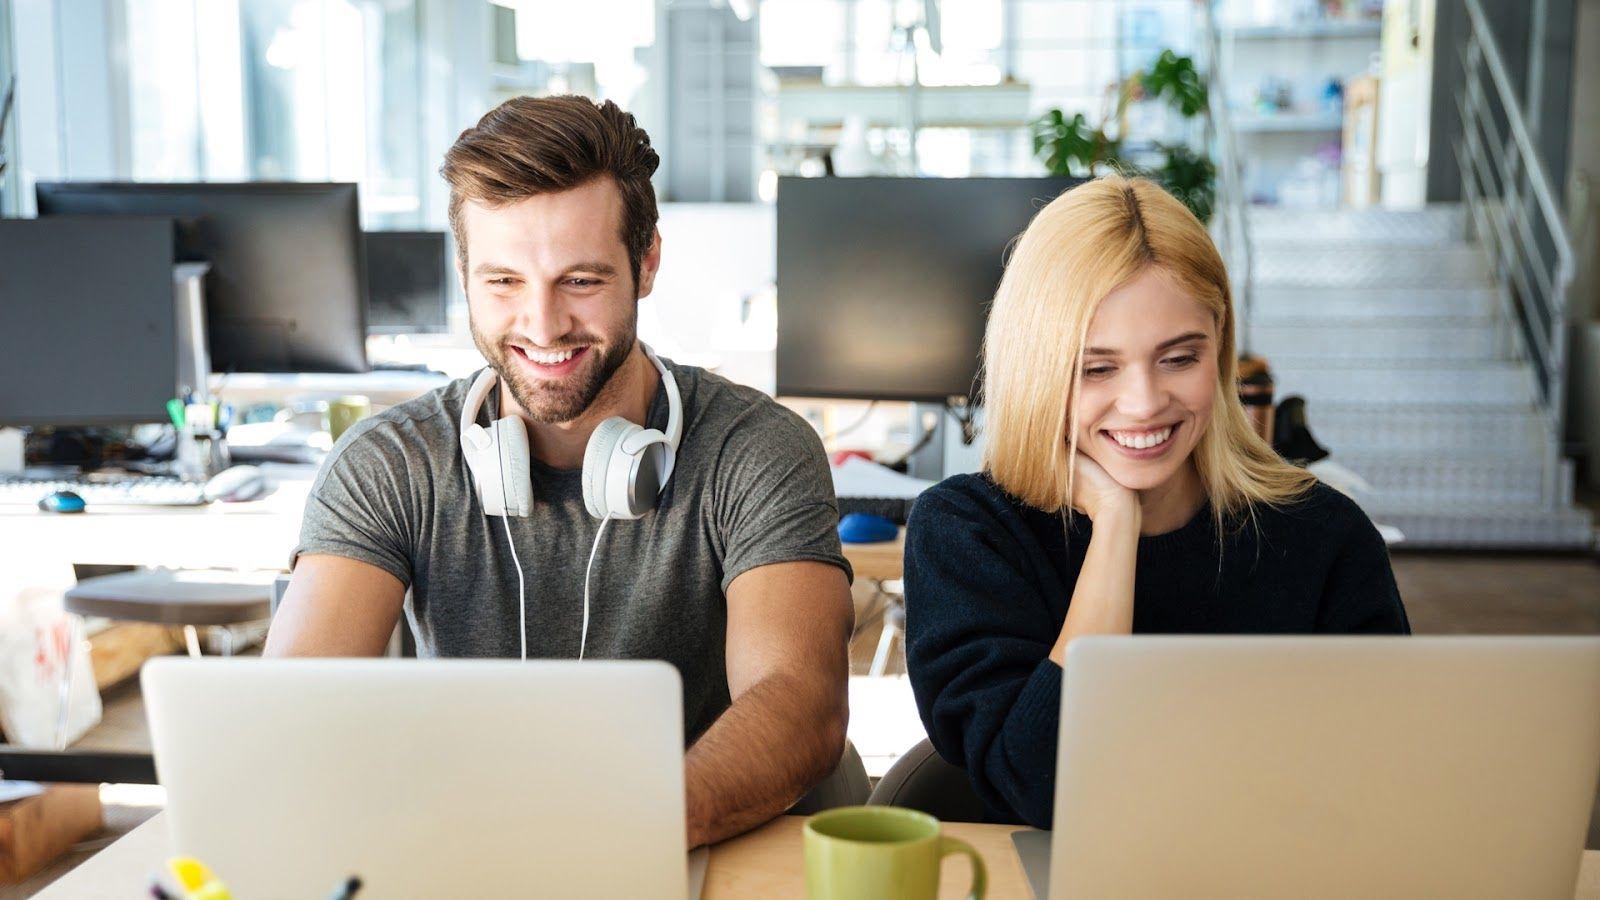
(625, 468)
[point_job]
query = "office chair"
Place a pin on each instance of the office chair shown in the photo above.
(923, 780)
(847, 785)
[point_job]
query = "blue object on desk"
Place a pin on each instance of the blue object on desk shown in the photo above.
(866, 528)
(62, 502)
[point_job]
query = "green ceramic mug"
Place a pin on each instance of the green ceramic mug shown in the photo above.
(880, 853)
(346, 411)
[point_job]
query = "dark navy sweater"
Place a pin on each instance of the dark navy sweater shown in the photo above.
(988, 581)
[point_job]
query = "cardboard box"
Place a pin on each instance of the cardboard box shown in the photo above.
(35, 830)
(1360, 151)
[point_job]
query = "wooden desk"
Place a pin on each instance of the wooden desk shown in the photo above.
(254, 535)
(766, 863)
(878, 562)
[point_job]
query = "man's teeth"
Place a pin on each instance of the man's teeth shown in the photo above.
(1140, 440)
(549, 359)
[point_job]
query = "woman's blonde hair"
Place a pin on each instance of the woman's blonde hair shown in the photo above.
(1079, 248)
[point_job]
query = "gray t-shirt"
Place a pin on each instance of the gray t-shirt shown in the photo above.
(751, 487)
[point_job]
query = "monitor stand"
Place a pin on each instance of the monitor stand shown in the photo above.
(12, 443)
(927, 462)
(189, 300)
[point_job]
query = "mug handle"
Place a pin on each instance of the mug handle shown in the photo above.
(980, 876)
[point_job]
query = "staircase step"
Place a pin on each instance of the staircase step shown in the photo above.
(1456, 337)
(1431, 479)
(1399, 382)
(1437, 222)
(1374, 265)
(1515, 432)
(1272, 301)
(1478, 526)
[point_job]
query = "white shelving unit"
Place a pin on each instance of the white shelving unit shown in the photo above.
(1302, 56)
(1308, 123)
(1304, 30)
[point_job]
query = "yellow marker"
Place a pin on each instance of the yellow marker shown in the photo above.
(197, 881)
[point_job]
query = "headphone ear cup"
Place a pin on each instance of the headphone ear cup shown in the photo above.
(599, 456)
(645, 452)
(517, 487)
(498, 461)
(482, 454)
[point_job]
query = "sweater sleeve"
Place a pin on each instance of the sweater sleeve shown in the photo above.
(978, 638)
(1360, 595)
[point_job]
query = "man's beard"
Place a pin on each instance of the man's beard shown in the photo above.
(557, 401)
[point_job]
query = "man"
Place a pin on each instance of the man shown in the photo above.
(736, 575)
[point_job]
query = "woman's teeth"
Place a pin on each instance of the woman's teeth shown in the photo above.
(1141, 440)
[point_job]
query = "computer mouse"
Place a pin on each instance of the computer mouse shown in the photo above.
(237, 484)
(62, 502)
(866, 528)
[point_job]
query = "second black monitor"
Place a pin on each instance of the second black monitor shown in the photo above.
(286, 289)
(408, 282)
(884, 284)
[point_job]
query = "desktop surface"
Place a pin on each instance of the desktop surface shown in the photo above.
(767, 862)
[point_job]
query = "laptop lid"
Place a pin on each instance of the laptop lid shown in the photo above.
(426, 778)
(1328, 766)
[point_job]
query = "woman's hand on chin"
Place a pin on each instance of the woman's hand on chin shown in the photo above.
(1095, 493)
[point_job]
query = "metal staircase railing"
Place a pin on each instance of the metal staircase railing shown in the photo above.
(1514, 213)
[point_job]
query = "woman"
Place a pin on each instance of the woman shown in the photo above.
(1123, 492)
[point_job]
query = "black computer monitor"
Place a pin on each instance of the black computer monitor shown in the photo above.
(408, 286)
(884, 284)
(88, 321)
(286, 290)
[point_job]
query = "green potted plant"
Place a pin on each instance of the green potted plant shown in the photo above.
(1071, 146)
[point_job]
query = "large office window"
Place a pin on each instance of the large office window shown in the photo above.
(185, 93)
(370, 91)
(864, 41)
(8, 125)
(297, 90)
(590, 48)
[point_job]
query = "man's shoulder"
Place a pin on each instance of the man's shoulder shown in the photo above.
(719, 410)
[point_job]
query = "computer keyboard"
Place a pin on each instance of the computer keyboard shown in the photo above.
(895, 509)
(129, 490)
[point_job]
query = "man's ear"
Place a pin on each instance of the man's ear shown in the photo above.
(648, 266)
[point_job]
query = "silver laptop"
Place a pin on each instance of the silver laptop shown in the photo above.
(435, 778)
(1321, 767)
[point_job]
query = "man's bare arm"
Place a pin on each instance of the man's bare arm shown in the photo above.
(788, 674)
(336, 607)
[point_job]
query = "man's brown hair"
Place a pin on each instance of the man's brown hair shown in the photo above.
(539, 145)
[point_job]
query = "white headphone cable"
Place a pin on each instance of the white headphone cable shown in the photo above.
(505, 519)
(522, 596)
(583, 640)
